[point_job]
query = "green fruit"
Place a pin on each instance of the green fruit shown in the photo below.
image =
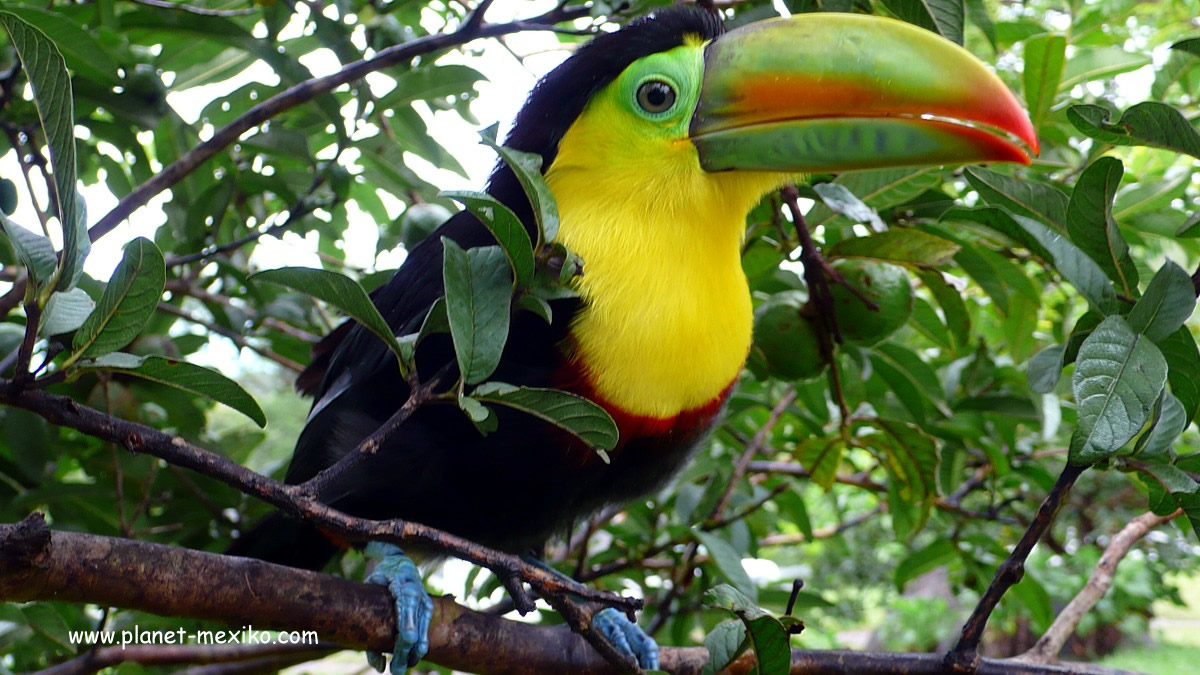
(886, 285)
(8, 196)
(418, 221)
(787, 341)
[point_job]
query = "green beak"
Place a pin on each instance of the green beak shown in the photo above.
(835, 92)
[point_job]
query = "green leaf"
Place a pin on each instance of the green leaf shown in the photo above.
(47, 622)
(944, 17)
(478, 295)
(1148, 123)
(930, 557)
(898, 245)
(47, 73)
(528, 168)
(431, 82)
(770, 641)
(842, 201)
(83, 53)
(977, 12)
(725, 643)
(1183, 358)
(1045, 56)
(1095, 63)
(1118, 377)
(34, 251)
(343, 293)
(1074, 265)
(911, 457)
(505, 227)
(1091, 225)
(822, 457)
(1045, 369)
(180, 375)
(66, 311)
(585, 420)
(1190, 46)
(1169, 301)
(925, 319)
(726, 597)
(1033, 597)
(1171, 421)
(958, 321)
(1178, 64)
(129, 301)
(1171, 478)
(878, 188)
(728, 561)
(997, 219)
(1023, 197)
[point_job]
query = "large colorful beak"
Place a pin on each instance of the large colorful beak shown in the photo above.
(835, 92)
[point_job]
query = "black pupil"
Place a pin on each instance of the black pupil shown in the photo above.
(656, 96)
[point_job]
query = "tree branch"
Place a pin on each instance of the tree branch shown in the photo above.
(37, 564)
(964, 657)
(1047, 648)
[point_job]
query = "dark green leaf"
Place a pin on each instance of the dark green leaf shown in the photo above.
(1184, 360)
(1091, 225)
(1045, 368)
(343, 293)
(937, 553)
(1171, 478)
(725, 643)
(772, 651)
(180, 375)
(953, 307)
(878, 188)
(587, 421)
(912, 457)
(478, 295)
(423, 84)
(47, 73)
(977, 12)
(1190, 45)
(1045, 56)
(83, 53)
(1168, 302)
(944, 17)
(898, 245)
(528, 168)
(1118, 377)
(724, 596)
(1074, 265)
(999, 220)
(1033, 597)
(822, 457)
(1148, 123)
(1171, 421)
(129, 301)
(505, 227)
(728, 561)
(1023, 197)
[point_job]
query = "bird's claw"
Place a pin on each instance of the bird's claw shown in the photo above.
(414, 607)
(627, 637)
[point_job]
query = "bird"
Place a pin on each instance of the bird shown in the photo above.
(656, 140)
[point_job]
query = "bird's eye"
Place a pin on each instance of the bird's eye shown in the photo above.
(656, 96)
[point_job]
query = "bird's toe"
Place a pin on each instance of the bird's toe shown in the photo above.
(627, 637)
(414, 607)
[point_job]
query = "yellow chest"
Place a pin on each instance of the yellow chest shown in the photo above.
(668, 318)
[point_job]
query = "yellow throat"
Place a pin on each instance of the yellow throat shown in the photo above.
(668, 318)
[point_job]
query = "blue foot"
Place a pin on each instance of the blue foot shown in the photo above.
(414, 607)
(627, 637)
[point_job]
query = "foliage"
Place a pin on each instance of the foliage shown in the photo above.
(1050, 321)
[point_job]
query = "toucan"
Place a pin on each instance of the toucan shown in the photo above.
(656, 141)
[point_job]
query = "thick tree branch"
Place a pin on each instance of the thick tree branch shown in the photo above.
(308, 90)
(1047, 648)
(37, 564)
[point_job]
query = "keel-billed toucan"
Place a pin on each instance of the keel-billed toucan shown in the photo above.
(656, 141)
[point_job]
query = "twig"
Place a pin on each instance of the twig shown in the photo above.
(756, 445)
(964, 657)
(235, 337)
(822, 533)
(1046, 649)
(306, 91)
(33, 315)
(37, 564)
(202, 11)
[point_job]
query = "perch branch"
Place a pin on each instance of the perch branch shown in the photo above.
(39, 564)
